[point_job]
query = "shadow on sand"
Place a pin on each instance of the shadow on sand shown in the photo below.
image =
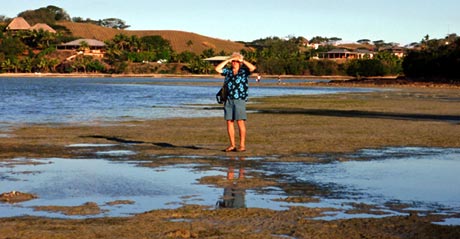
(366, 114)
(127, 141)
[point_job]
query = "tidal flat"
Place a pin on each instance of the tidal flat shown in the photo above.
(295, 131)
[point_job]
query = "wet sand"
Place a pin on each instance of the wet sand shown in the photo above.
(289, 127)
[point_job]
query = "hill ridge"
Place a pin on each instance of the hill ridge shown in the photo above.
(180, 40)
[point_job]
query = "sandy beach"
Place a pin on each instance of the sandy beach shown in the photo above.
(289, 127)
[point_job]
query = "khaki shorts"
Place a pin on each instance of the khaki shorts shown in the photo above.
(235, 109)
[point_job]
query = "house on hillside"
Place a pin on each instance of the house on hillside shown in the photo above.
(92, 44)
(338, 54)
(342, 54)
(86, 47)
(365, 53)
(20, 24)
(399, 52)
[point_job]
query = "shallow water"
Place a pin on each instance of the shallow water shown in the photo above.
(72, 182)
(422, 179)
(93, 100)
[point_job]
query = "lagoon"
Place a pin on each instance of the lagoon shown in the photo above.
(95, 100)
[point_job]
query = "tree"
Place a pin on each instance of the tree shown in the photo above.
(278, 56)
(208, 53)
(159, 45)
(81, 63)
(324, 67)
(9, 65)
(120, 41)
(114, 23)
(379, 43)
(250, 56)
(319, 40)
(3, 18)
(12, 47)
(26, 64)
(59, 13)
(48, 15)
(364, 41)
(185, 56)
(334, 40)
(83, 46)
(87, 20)
(95, 66)
(189, 43)
(368, 67)
(391, 63)
(198, 66)
(435, 60)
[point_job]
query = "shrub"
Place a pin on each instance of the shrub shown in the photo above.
(368, 67)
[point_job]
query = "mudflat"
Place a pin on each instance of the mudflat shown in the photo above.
(289, 127)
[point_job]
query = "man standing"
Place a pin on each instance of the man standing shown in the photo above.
(236, 82)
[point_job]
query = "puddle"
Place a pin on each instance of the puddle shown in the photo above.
(449, 222)
(6, 136)
(74, 182)
(116, 153)
(71, 182)
(375, 183)
(90, 145)
(422, 179)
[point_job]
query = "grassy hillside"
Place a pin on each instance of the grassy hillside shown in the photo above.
(178, 39)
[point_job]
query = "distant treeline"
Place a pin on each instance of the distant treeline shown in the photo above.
(278, 56)
(438, 59)
(35, 51)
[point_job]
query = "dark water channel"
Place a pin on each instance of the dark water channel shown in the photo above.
(420, 179)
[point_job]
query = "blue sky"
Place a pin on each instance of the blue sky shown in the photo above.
(401, 21)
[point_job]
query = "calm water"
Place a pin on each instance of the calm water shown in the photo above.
(424, 179)
(54, 100)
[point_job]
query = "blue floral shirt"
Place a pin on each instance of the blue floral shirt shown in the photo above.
(237, 85)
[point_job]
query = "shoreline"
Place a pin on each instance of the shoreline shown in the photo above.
(304, 126)
(335, 80)
(101, 75)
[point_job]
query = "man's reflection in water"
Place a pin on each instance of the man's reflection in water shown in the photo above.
(234, 196)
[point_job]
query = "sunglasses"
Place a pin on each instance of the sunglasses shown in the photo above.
(236, 62)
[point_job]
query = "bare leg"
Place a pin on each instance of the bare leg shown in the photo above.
(231, 133)
(242, 129)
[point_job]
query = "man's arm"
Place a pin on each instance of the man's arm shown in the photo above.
(250, 66)
(221, 65)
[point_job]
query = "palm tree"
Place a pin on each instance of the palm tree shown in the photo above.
(134, 44)
(26, 64)
(189, 44)
(121, 41)
(45, 38)
(83, 46)
(42, 65)
(7, 65)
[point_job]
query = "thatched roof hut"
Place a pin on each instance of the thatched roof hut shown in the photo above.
(92, 43)
(42, 26)
(18, 24)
